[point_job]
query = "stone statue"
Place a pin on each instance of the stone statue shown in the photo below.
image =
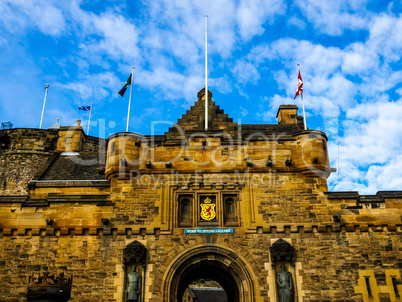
(133, 289)
(285, 285)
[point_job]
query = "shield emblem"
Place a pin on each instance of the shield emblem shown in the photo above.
(208, 210)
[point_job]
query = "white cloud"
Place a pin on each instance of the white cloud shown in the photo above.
(221, 84)
(314, 58)
(326, 70)
(326, 89)
(157, 114)
(252, 15)
(358, 58)
(371, 142)
(386, 177)
(82, 90)
(297, 22)
(168, 84)
(333, 17)
(177, 24)
(167, 44)
(260, 53)
(107, 33)
(245, 72)
(120, 37)
(226, 20)
(17, 15)
(243, 111)
(92, 87)
(270, 105)
(340, 91)
(385, 37)
(380, 81)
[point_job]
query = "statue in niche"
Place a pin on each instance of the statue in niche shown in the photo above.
(133, 288)
(285, 285)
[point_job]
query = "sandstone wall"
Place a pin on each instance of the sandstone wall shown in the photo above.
(343, 241)
(332, 258)
(329, 266)
(95, 144)
(23, 153)
(29, 139)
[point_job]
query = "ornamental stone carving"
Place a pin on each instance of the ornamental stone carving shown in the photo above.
(135, 252)
(282, 251)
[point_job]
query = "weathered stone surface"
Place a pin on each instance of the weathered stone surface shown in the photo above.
(79, 219)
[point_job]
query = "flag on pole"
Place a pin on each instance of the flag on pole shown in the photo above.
(123, 90)
(85, 108)
(43, 109)
(206, 72)
(300, 91)
(299, 86)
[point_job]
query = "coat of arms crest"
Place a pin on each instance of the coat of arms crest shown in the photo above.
(208, 209)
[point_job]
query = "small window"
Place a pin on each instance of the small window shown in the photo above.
(185, 217)
(395, 285)
(229, 206)
(112, 148)
(230, 210)
(368, 286)
(5, 143)
(185, 209)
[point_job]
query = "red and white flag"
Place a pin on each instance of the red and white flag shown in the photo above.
(299, 86)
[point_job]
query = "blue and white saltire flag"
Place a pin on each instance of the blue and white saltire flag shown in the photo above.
(85, 108)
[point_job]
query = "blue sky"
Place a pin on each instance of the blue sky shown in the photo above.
(349, 51)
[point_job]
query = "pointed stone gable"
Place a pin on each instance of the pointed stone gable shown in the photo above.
(194, 119)
(192, 123)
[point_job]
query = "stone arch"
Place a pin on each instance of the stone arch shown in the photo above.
(210, 262)
(135, 252)
(282, 251)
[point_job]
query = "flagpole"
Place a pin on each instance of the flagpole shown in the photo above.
(89, 120)
(129, 101)
(206, 72)
(304, 112)
(43, 109)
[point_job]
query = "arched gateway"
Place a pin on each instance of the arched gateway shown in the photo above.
(209, 262)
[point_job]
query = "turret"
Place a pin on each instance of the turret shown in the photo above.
(123, 153)
(312, 153)
(71, 138)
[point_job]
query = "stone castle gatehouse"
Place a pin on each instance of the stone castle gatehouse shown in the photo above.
(142, 218)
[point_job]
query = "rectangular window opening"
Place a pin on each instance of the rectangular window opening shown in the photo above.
(230, 209)
(185, 210)
(395, 285)
(368, 286)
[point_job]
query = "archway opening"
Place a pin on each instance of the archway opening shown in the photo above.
(210, 263)
(209, 270)
(204, 290)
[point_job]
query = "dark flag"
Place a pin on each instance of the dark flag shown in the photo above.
(85, 108)
(123, 90)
